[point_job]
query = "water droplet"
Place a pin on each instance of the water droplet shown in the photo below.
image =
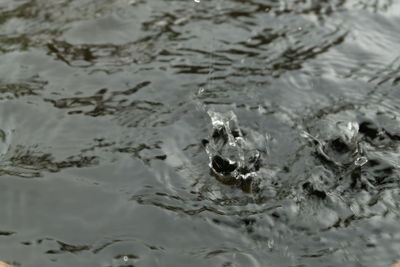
(161, 23)
(270, 243)
(197, 1)
(125, 258)
(180, 21)
(355, 208)
(360, 161)
(261, 109)
(201, 91)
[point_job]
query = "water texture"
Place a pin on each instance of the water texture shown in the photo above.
(199, 133)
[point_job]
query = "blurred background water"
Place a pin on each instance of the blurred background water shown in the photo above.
(104, 105)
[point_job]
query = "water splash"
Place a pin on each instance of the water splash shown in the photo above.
(337, 142)
(232, 158)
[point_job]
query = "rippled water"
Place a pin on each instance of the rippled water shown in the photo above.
(106, 110)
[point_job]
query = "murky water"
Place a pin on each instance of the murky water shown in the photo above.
(199, 133)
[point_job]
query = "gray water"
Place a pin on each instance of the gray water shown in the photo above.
(105, 110)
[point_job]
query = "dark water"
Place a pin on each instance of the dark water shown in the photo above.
(104, 106)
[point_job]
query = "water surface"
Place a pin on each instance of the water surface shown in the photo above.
(104, 106)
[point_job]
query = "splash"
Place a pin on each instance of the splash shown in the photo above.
(233, 159)
(338, 142)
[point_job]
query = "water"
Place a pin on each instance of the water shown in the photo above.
(105, 107)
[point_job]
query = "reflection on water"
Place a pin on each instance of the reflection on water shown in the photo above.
(221, 133)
